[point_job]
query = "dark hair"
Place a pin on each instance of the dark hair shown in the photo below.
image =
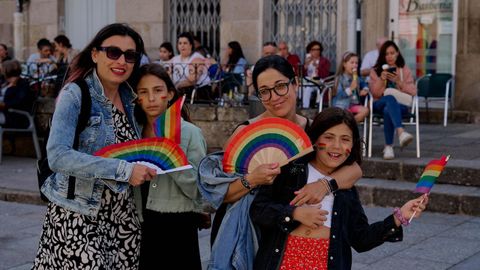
(169, 47)
(270, 43)
(158, 71)
(189, 37)
(381, 60)
(43, 42)
(329, 118)
(11, 68)
(83, 63)
(4, 46)
(276, 62)
(62, 39)
(237, 53)
(314, 43)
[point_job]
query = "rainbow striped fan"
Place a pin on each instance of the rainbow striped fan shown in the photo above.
(161, 154)
(268, 140)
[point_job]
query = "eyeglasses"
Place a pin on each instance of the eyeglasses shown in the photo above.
(114, 53)
(281, 89)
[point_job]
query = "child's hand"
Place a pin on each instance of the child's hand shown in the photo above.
(312, 217)
(354, 84)
(414, 205)
(364, 92)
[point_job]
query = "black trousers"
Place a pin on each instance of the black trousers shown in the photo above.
(167, 236)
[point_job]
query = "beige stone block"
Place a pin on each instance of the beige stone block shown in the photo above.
(234, 114)
(234, 10)
(140, 11)
(467, 96)
(216, 132)
(202, 113)
(43, 12)
(248, 39)
(6, 12)
(473, 36)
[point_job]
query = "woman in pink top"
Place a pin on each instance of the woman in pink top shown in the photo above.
(397, 76)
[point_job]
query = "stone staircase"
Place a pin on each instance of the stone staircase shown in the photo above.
(390, 183)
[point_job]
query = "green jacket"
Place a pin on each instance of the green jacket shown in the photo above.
(177, 192)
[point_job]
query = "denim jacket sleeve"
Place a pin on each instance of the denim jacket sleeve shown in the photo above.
(213, 182)
(64, 159)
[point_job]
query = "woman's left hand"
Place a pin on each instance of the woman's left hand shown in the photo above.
(311, 193)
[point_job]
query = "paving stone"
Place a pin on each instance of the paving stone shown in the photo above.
(467, 230)
(397, 262)
(442, 249)
(471, 263)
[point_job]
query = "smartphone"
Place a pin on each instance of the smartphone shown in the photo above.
(392, 69)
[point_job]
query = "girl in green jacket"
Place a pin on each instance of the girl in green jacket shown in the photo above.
(171, 204)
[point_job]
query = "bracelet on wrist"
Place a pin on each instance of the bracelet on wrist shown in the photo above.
(245, 182)
(398, 214)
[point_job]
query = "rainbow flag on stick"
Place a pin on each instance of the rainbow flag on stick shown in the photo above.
(168, 125)
(430, 174)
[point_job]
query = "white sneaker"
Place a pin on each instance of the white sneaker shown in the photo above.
(388, 152)
(405, 139)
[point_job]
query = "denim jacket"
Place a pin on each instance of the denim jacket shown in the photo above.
(342, 99)
(92, 173)
(236, 242)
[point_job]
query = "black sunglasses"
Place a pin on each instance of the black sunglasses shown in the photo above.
(114, 53)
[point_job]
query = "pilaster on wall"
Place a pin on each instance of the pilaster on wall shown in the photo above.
(6, 22)
(467, 86)
(242, 21)
(151, 24)
(374, 22)
(42, 21)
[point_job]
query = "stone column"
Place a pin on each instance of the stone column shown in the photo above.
(375, 16)
(242, 21)
(19, 35)
(467, 86)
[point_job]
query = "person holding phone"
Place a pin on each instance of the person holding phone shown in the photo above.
(398, 76)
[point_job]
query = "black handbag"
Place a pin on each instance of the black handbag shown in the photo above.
(43, 168)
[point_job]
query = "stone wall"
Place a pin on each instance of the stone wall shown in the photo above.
(468, 57)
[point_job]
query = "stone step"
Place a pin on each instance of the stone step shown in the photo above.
(21, 196)
(444, 198)
(457, 172)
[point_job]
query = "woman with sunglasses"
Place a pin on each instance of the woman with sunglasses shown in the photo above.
(96, 226)
(189, 68)
(276, 85)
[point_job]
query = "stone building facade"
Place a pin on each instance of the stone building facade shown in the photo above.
(251, 22)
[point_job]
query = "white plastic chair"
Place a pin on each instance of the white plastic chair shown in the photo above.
(412, 120)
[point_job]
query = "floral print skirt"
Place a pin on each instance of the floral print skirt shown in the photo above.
(71, 240)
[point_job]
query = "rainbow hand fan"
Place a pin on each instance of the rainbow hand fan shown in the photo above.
(161, 154)
(168, 125)
(265, 141)
(430, 174)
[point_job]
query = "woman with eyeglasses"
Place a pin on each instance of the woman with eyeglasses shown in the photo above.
(91, 220)
(276, 86)
(189, 69)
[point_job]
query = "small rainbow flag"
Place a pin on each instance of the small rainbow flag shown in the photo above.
(168, 125)
(430, 174)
